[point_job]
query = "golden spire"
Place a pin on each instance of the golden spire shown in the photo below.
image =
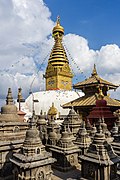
(94, 72)
(58, 20)
(58, 73)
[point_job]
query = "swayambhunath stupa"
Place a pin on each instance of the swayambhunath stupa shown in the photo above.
(64, 132)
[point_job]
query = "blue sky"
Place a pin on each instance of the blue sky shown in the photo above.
(96, 20)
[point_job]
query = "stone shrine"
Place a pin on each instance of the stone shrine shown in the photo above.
(12, 134)
(66, 153)
(99, 162)
(32, 161)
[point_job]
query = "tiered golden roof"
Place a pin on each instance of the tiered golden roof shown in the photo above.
(58, 73)
(88, 101)
(90, 87)
(94, 80)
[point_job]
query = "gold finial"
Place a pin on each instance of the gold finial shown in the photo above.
(58, 20)
(58, 28)
(94, 72)
(52, 111)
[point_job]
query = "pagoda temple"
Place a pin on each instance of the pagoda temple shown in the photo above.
(90, 87)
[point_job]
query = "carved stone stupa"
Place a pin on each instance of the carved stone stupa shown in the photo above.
(9, 111)
(32, 162)
(73, 121)
(83, 140)
(12, 134)
(100, 161)
(66, 153)
(42, 127)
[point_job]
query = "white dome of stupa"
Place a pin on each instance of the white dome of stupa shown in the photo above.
(46, 98)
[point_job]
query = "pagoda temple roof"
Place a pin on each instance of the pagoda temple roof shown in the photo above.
(89, 101)
(94, 80)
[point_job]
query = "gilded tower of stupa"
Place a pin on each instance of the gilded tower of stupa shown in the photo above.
(58, 73)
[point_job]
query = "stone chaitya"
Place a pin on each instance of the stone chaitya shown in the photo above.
(32, 161)
(116, 135)
(73, 121)
(93, 131)
(105, 130)
(117, 114)
(52, 139)
(9, 111)
(66, 153)
(99, 162)
(83, 140)
(12, 134)
(52, 124)
(42, 127)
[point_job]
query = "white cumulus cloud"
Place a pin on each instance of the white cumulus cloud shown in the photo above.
(24, 41)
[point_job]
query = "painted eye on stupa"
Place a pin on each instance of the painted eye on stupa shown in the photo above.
(51, 82)
(64, 82)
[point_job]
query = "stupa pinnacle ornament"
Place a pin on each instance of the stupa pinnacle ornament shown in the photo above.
(20, 98)
(9, 98)
(58, 73)
(94, 72)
